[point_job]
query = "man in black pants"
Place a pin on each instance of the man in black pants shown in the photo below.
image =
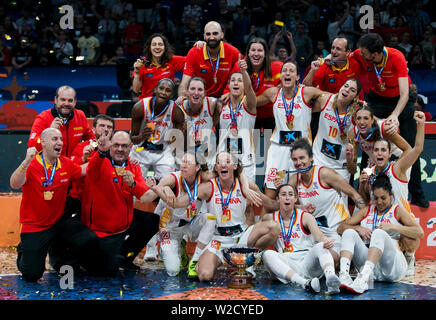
(44, 178)
(390, 98)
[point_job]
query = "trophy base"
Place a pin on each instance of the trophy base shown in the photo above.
(240, 281)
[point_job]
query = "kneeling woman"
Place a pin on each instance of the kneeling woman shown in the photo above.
(296, 258)
(380, 225)
(227, 204)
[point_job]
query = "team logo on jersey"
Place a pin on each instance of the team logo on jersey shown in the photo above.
(238, 193)
(149, 74)
(331, 150)
(315, 185)
(215, 244)
(332, 80)
(369, 69)
(203, 70)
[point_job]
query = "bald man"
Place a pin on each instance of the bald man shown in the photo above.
(213, 62)
(107, 208)
(44, 178)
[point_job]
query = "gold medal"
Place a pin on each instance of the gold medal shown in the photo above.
(288, 249)
(226, 216)
(120, 170)
(197, 143)
(290, 125)
(93, 143)
(343, 136)
(191, 213)
(382, 86)
(48, 195)
(280, 174)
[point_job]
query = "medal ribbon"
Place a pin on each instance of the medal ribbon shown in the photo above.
(253, 79)
(343, 123)
(192, 195)
(287, 235)
(53, 171)
(217, 65)
(64, 120)
(194, 126)
(374, 220)
(153, 116)
(234, 113)
(225, 204)
(289, 109)
(374, 176)
(365, 139)
(379, 72)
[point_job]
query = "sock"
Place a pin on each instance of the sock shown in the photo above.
(296, 278)
(367, 270)
(329, 271)
(345, 265)
(196, 254)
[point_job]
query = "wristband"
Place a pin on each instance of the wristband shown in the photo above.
(22, 169)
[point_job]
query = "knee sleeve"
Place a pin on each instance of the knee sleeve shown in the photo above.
(378, 239)
(323, 254)
(207, 231)
(348, 241)
(171, 260)
(273, 262)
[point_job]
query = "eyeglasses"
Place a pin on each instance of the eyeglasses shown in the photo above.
(123, 146)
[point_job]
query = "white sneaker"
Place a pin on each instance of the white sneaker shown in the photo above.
(345, 279)
(359, 285)
(333, 284)
(410, 258)
(313, 285)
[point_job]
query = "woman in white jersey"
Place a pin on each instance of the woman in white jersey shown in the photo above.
(398, 172)
(153, 118)
(380, 226)
(236, 120)
(301, 252)
(366, 130)
(199, 113)
(292, 111)
(322, 187)
(335, 121)
(226, 204)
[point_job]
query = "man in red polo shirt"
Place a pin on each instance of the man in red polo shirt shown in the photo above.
(330, 75)
(213, 62)
(63, 116)
(44, 178)
(111, 182)
(390, 97)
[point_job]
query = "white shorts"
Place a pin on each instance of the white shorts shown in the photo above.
(218, 243)
(278, 159)
(305, 263)
(161, 162)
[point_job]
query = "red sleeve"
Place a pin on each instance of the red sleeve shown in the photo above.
(42, 121)
(140, 187)
(77, 154)
(95, 166)
(400, 64)
(73, 168)
(190, 61)
(178, 63)
(319, 76)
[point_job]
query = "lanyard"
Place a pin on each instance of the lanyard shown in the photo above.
(225, 204)
(289, 109)
(343, 123)
(374, 220)
(217, 65)
(53, 171)
(253, 79)
(287, 235)
(379, 72)
(365, 139)
(234, 113)
(152, 116)
(194, 126)
(192, 195)
(373, 177)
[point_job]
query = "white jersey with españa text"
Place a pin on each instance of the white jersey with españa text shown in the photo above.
(330, 205)
(328, 146)
(301, 239)
(236, 210)
(388, 217)
(301, 117)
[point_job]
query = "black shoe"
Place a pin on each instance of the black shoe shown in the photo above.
(421, 202)
(128, 265)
